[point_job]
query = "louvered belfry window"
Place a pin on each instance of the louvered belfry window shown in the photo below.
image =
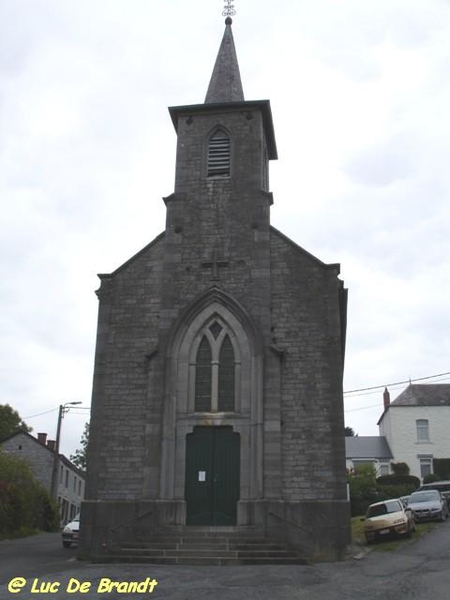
(219, 154)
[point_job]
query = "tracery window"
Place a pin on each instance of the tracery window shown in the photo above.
(215, 371)
(203, 377)
(219, 154)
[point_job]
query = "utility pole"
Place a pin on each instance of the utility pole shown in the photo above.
(63, 408)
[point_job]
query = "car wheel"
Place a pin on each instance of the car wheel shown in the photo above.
(67, 544)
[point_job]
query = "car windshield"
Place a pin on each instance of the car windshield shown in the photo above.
(385, 508)
(423, 497)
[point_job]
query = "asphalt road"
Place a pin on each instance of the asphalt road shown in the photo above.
(416, 571)
(34, 555)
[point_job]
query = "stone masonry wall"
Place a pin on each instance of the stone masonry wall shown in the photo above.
(121, 434)
(37, 455)
(306, 324)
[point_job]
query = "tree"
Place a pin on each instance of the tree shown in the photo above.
(349, 432)
(10, 421)
(363, 488)
(79, 458)
(25, 506)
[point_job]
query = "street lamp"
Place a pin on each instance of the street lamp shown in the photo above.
(63, 408)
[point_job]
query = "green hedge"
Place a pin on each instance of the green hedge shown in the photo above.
(407, 480)
(441, 467)
(366, 489)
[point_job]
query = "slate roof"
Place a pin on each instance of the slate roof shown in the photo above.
(367, 447)
(436, 394)
(225, 84)
(62, 458)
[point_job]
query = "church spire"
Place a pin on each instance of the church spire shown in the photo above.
(225, 84)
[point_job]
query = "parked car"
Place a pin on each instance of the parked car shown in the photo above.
(428, 505)
(70, 533)
(387, 518)
(440, 486)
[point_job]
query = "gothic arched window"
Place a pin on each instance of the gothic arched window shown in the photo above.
(215, 371)
(226, 376)
(203, 377)
(219, 154)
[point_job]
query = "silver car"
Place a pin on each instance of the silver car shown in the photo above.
(70, 533)
(428, 505)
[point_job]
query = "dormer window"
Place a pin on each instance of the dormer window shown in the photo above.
(219, 154)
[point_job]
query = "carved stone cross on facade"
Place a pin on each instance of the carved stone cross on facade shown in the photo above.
(215, 263)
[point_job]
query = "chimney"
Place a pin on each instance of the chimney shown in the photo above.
(51, 444)
(42, 438)
(386, 398)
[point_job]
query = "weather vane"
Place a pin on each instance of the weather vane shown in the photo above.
(228, 11)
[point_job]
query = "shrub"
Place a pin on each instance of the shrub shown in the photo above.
(25, 506)
(431, 478)
(410, 480)
(441, 466)
(363, 488)
(400, 468)
(394, 491)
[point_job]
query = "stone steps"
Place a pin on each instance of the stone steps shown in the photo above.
(204, 546)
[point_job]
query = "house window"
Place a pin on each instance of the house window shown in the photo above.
(426, 465)
(215, 371)
(384, 468)
(67, 478)
(423, 434)
(219, 154)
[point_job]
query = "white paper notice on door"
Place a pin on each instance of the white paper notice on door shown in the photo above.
(202, 475)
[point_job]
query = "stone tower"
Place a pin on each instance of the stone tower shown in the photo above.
(217, 397)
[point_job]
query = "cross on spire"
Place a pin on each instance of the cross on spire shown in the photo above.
(215, 263)
(228, 10)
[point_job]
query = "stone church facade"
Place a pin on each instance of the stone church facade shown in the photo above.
(217, 397)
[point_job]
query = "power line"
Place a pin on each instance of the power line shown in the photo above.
(42, 413)
(378, 387)
(56, 409)
(362, 408)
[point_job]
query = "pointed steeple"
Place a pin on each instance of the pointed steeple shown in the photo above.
(225, 84)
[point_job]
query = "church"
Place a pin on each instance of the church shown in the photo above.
(217, 397)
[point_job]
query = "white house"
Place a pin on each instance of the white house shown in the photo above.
(368, 450)
(417, 426)
(40, 455)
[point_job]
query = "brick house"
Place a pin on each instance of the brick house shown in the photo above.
(217, 395)
(417, 424)
(40, 455)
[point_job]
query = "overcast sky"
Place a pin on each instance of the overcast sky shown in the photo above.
(360, 95)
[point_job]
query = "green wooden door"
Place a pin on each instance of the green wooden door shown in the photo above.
(212, 476)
